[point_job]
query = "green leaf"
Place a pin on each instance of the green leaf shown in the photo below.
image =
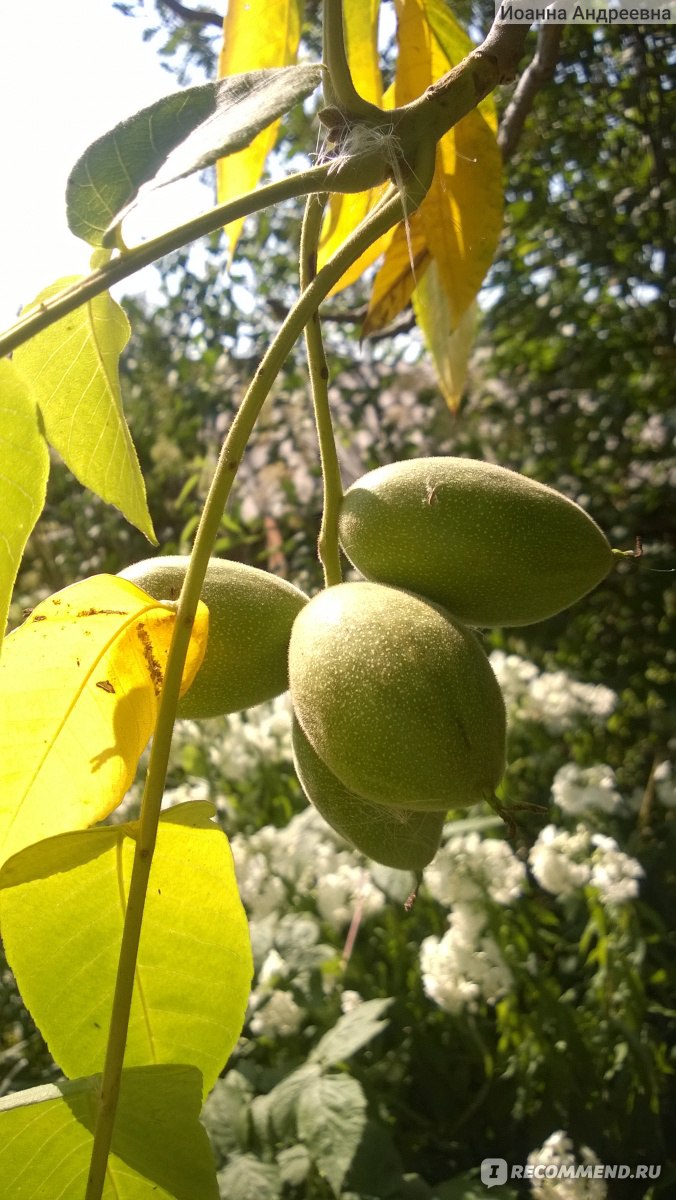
(159, 1150)
(282, 1100)
(72, 371)
(331, 1122)
(226, 1114)
(223, 117)
(61, 914)
(23, 476)
(350, 1032)
(247, 1178)
(294, 1165)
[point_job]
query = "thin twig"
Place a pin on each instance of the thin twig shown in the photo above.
(196, 16)
(538, 73)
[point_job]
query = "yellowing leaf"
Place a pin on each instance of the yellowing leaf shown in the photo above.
(79, 688)
(256, 34)
(395, 280)
(24, 467)
(62, 909)
(72, 370)
(458, 223)
(449, 346)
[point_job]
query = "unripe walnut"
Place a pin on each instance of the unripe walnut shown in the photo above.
(396, 698)
(250, 617)
(492, 546)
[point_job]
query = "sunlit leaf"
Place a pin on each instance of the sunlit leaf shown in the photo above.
(62, 907)
(256, 34)
(396, 279)
(24, 467)
(173, 137)
(449, 347)
(458, 223)
(71, 369)
(79, 691)
(160, 1151)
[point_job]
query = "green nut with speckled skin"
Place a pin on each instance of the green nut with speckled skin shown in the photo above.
(395, 837)
(250, 617)
(397, 699)
(490, 545)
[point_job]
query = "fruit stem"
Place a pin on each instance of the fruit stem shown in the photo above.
(373, 227)
(327, 545)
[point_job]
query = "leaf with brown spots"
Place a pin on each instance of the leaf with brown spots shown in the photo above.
(79, 688)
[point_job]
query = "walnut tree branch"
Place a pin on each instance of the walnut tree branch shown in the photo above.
(537, 74)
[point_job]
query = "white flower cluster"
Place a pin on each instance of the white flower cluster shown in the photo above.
(244, 741)
(551, 698)
(665, 784)
(562, 862)
(578, 791)
(277, 868)
(466, 966)
(557, 1152)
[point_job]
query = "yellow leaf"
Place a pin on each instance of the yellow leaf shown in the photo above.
(462, 212)
(448, 346)
(458, 223)
(79, 688)
(395, 280)
(256, 34)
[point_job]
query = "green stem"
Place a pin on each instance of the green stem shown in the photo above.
(142, 256)
(339, 89)
(233, 448)
(328, 547)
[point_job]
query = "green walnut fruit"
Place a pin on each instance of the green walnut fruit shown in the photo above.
(250, 617)
(395, 837)
(492, 546)
(396, 698)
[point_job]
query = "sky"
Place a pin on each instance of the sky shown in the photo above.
(69, 71)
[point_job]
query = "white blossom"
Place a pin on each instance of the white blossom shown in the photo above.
(465, 966)
(278, 1016)
(557, 1152)
(350, 1000)
(553, 698)
(577, 790)
(559, 860)
(342, 892)
(562, 862)
(469, 868)
(613, 873)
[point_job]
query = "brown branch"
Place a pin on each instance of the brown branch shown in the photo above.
(536, 75)
(197, 16)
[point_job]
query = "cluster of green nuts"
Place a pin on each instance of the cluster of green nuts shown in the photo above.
(398, 716)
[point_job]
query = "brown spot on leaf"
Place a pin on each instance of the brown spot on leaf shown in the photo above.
(154, 668)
